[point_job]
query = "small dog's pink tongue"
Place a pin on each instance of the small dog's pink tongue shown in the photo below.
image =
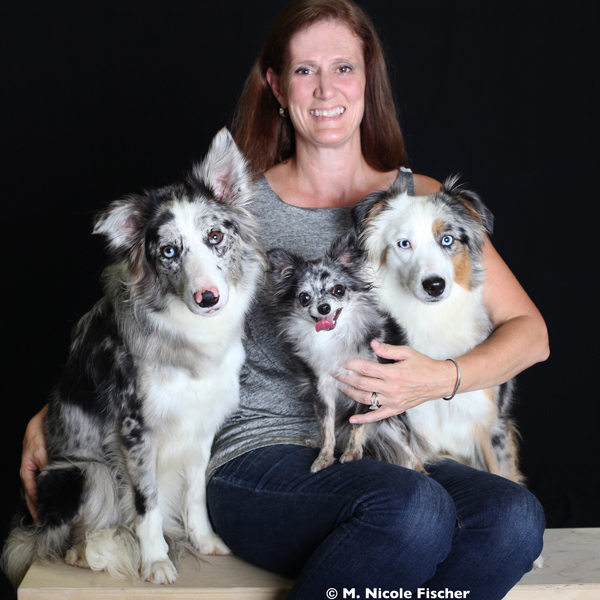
(324, 324)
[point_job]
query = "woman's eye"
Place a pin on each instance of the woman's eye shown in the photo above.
(303, 71)
(215, 237)
(447, 240)
(404, 244)
(345, 69)
(339, 291)
(304, 298)
(168, 252)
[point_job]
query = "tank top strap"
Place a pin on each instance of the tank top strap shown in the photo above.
(405, 179)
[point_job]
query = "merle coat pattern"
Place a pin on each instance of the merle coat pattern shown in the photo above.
(327, 314)
(152, 373)
(426, 253)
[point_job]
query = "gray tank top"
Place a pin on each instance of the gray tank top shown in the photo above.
(270, 411)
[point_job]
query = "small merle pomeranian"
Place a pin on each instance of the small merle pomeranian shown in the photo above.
(327, 315)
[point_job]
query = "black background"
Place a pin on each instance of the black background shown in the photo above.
(99, 99)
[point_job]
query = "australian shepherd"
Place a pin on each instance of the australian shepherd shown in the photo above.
(152, 373)
(426, 256)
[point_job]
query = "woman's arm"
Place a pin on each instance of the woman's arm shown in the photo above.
(34, 457)
(519, 340)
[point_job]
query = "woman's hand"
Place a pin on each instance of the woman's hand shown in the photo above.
(34, 457)
(413, 379)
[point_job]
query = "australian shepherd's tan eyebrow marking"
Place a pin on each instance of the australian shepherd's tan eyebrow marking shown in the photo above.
(425, 252)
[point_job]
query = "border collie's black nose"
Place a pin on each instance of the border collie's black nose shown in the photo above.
(208, 299)
(434, 286)
(324, 309)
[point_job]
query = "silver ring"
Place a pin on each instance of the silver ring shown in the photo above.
(374, 401)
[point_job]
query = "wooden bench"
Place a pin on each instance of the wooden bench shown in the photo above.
(571, 572)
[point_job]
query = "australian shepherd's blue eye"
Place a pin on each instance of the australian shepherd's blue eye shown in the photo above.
(447, 240)
(168, 251)
(215, 237)
(404, 244)
(339, 291)
(304, 298)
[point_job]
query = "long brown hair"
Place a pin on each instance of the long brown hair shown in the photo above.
(266, 138)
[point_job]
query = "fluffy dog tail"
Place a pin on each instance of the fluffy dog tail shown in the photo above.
(22, 547)
(115, 550)
(394, 442)
(74, 498)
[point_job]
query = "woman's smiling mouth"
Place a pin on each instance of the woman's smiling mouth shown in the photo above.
(334, 112)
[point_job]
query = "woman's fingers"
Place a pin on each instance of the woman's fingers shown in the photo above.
(374, 415)
(28, 473)
(410, 379)
(33, 459)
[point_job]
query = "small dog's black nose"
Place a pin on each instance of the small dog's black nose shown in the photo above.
(208, 299)
(324, 309)
(434, 286)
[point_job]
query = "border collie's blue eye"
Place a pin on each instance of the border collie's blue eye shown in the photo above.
(447, 240)
(339, 291)
(304, 298)
(215, 237)
(404, 244)
(168, 252)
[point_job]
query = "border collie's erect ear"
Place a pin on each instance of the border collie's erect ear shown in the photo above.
(224, 170)
(123, 221)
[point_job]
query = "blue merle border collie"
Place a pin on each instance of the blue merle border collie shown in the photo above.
(326, 313)
(425, 252)
(152, 374)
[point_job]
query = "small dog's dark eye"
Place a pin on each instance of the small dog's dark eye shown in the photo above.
(215, 237)
(168, 251)
(339, 291)
(304, 298)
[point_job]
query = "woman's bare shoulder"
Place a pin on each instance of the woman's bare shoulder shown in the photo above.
(426, 185)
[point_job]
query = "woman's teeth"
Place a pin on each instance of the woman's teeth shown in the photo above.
(327, 113)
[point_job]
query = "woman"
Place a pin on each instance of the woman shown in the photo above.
(317, 123)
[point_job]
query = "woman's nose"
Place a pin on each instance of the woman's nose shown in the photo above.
(325, 87)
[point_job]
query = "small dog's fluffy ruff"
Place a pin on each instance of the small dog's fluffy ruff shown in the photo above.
(152, 374)
(426, 256)
(327, 314)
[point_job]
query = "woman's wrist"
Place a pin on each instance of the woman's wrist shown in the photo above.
(455, 370)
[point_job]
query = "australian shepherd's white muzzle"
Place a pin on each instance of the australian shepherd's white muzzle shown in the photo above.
(153, 372)
(426, 255)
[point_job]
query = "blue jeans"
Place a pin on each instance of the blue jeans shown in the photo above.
(369, 524)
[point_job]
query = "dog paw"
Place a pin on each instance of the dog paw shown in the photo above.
(322, 462)
(312, 443)
(538, 563)
(350, 455)
(211, 544)
(159, 571)
(417, 465)
(73, 557)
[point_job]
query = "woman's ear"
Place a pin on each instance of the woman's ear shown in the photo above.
(275, 84)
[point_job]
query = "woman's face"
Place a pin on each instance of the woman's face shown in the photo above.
(324, 85)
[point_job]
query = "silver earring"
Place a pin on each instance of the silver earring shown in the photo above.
(282, 112)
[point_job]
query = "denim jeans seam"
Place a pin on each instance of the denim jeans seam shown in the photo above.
(243, 485)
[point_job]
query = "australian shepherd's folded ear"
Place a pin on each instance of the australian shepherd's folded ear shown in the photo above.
(426, 253)
(152, 374)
